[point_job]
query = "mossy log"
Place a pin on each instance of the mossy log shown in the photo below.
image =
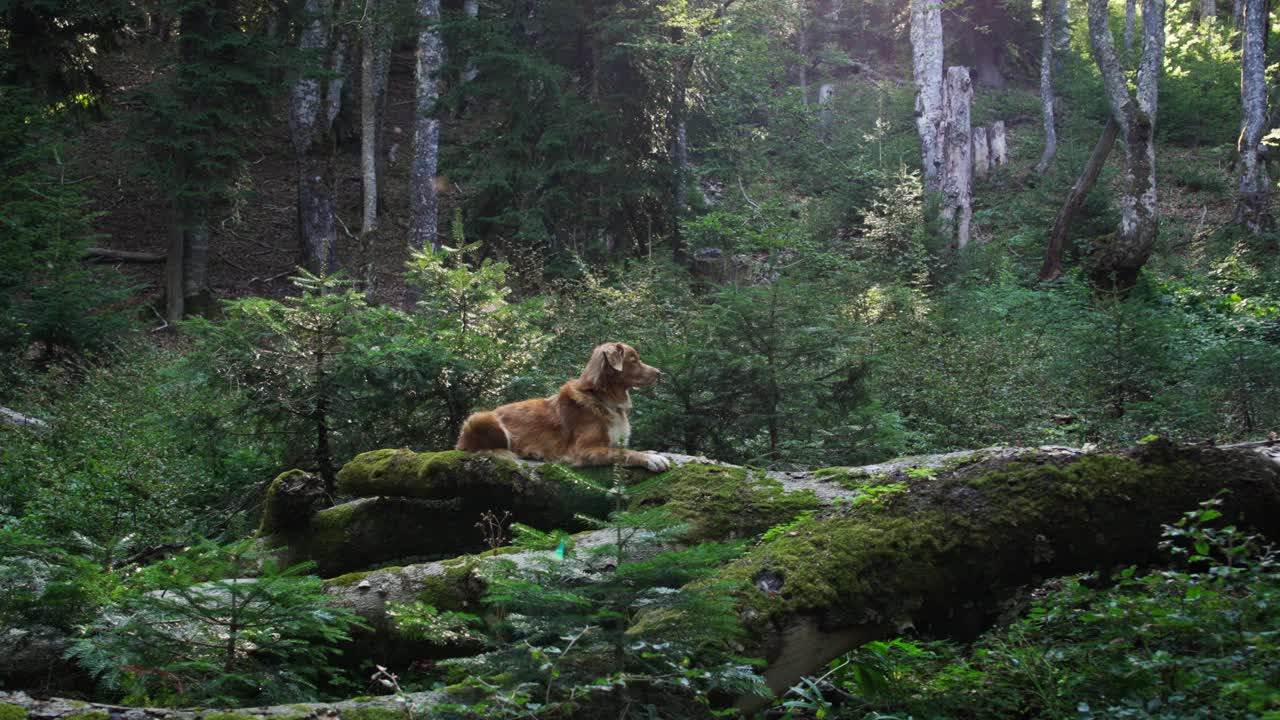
(939, 542)
(942, 550)
(20, 706)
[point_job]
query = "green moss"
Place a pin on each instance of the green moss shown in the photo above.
(352, 578)
(448, 590)
(725, 502)
(228, 716)
(276, 514)
(846, 477)
(959, 537)
(372, 713)
(12, 712)
(405, 473)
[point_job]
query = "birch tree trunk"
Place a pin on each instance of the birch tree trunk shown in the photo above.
(426, 132)
(1046, 88)
(1119, 262)
(926, 56)
(957, 149)
(1252, 209)
(314, 106)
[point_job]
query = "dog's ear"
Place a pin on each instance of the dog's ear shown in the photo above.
(616, 354)
(593, 374)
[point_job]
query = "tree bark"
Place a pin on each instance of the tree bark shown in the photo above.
(472, 8)
(1252, 209)
(1208, 9)
(680, 157)
(314, 105)
(1130, 20)
(1046, 88)
(957, 149)
(1062, 28)
(999, 148)
(1052, 267)
(423, 202)
(981, 152)
(1118, 263)
(370, 40)
(926, 55)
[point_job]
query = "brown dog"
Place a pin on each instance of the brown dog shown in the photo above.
(584, 424)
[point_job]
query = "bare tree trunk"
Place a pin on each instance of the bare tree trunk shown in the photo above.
(802, 49)
(926, 55)
(1046, 88)
(174, 308)
(1119, 262)
(1130, 19)
(957, 149)
(680, 159)
(1052, 268)
(981, 152)
(426, 136)
(1062, 28)
(1237, 13)
(1252, 210)
(999, 148)
(369, 40)
(826, 91)
(472, 8)
(314, 106)
(197, 297)
(1208, 9)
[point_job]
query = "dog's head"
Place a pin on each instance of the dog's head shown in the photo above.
(618, 365)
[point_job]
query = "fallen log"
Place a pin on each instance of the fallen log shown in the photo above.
(17, 419)
(940, 552)
(20, 706)
(97, 254)
(935, 542)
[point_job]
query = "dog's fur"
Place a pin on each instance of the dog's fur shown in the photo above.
(584, 424)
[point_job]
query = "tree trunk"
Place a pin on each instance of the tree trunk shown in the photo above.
(957, 151)
(1130, 19)
(926, 55)
(1252, 210)
(1052, 268)
(999, 148)
(1046, 88)
(370, 41)
(944, 553)
(680, 157)
(175, 308)
(826, 91)
(314, 106)
(1062, 27)
(1208, 9)
(423, 202)
(981, 152)
(369, 115)
(1118, 263)
(988, 55)
(472, 8)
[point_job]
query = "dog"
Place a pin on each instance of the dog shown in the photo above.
(583, 424)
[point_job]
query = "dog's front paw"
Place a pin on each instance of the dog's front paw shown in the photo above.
(656, 462)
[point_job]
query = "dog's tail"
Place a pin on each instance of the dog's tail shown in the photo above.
(483, 431)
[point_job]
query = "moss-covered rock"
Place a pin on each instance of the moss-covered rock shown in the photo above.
(723, 502)
(9, 711)
(404, 473)
(292, 497)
